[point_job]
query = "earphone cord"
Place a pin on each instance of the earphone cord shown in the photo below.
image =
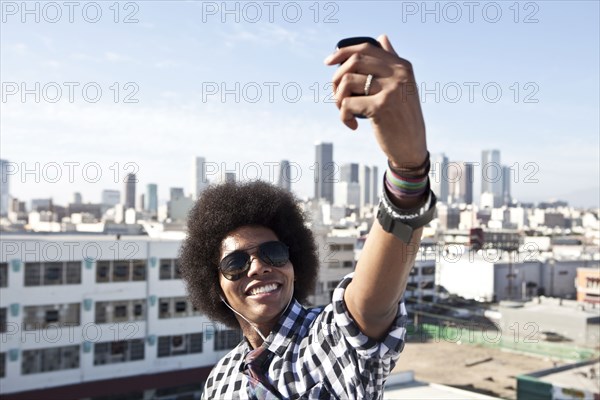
(250, 323)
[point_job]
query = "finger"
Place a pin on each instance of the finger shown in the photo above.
(354, 84)
(386, 44)
(357, 105)
(361, 64)
(341, 55)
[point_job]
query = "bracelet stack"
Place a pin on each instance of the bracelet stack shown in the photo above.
(409, 181)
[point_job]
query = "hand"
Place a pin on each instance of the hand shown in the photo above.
(392, 103)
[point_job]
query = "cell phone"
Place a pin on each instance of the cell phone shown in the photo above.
(354, 41)
(357, 40)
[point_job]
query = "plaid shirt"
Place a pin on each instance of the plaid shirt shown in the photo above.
(319, 353)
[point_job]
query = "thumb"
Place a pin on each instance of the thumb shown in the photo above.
(385, 43)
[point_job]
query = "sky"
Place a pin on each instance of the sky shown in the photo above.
(94, 90)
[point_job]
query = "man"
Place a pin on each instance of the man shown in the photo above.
(250, 261)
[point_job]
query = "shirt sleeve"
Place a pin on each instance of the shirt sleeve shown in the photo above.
(389, 347)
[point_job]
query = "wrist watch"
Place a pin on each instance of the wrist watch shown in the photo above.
(403, 222)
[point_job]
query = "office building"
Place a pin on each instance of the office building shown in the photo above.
(324, 171)
(199, 181)
(129, 190)
(491, 175)
(104, 318)
(438, 176)
(349, 173)
(460, 182)
(111, 197)
(176, 193)
(284, 180)
(152, 198)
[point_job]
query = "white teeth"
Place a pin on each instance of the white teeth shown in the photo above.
(263, 289)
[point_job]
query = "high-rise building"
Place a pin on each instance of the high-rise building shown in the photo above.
(324, 171)
(140, 203)
(4, 187)
(491, 175)
(111, 197)
(176, 193)
(77, 199)
(199, 181)
(152, 198)
(460, 182)
(506, 178)
(438, 176)
(366, 186)
(349, 173)
(285, 177)
(129, 190)
(375, 185)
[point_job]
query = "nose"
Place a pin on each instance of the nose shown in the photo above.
(258, 266)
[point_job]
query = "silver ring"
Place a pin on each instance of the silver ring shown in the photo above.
(368, 84)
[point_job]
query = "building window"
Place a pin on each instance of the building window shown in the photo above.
(73, 272)
(169, 269)
(3, 274)
(117, 352)
(177, 345)
(120, 311)
(428, 271)
(2, 365)
(176, 307)
(56, 315)
(120, 271)
(227, 339)
(52, 273)
(50, 359)
(3, 319)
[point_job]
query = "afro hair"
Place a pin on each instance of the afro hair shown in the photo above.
(223, 208)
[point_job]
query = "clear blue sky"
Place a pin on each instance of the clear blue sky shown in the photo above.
(175, 58)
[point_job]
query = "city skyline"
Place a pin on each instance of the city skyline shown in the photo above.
(163, 84)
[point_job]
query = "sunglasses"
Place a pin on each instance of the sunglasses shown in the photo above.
(235, 264)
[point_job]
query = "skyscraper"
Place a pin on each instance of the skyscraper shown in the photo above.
(4, 187)
(460, 182)
(375, 185)
(349, 173)
(176, 193)
(129, 189)
(491, 175)
(366, 186)
(506, 178)
(152, 198)
(198, 182)
(438, 176)
(284, 180)
(324, 171)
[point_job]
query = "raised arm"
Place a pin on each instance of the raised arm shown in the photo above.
(393, 106)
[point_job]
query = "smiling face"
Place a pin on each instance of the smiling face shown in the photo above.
(262, 292)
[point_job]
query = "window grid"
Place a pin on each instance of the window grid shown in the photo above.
(52, 273)
(118, 352)
(56, 315)
(120, 271)
(176, 345)
(50, 359)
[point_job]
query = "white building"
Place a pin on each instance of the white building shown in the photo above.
(89, 314)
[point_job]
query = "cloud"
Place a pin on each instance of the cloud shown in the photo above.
(115, 57)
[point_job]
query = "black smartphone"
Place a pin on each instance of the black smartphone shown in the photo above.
(354, 41)
(357, 40)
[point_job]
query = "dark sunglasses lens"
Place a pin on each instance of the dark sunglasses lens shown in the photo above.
(274, 253)
(234, 265)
